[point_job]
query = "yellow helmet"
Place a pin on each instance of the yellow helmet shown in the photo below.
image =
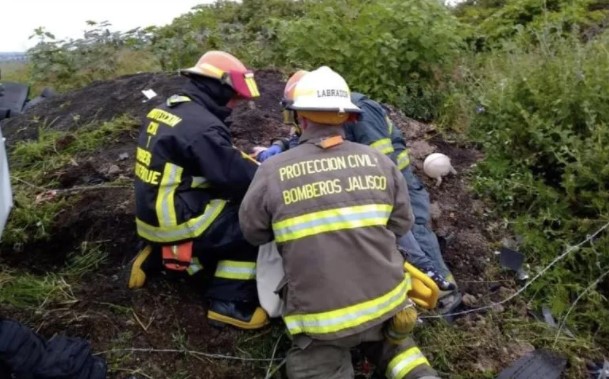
(324, 97)
(227, 69)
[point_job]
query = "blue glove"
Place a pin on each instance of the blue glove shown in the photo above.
(266, 154)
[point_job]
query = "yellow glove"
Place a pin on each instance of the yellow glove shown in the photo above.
(424, 291)
(401, 325)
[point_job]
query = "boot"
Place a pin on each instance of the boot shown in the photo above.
(449, 300)
(443, 283)
(143, 264)
(238, 314)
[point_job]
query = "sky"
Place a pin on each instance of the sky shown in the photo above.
(66, 18)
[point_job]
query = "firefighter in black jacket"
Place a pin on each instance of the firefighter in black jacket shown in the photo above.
(190, 180)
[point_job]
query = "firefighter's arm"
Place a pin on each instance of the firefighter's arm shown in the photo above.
(372, 129)
(401, 218)
(225, 167)
(254, 216)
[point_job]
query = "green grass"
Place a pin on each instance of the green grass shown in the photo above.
(14, 72)
(34, 164)
(26, 291)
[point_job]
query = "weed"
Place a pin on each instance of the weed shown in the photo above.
(27, 291)
(34, 165)
(89, 258)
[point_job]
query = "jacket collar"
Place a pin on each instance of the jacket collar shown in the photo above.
(199, 96)
(314, 134)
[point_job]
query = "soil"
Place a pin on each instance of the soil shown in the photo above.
(169, 315)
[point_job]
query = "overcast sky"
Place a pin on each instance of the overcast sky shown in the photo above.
(66, 18)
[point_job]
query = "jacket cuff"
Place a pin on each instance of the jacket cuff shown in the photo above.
(283, 143)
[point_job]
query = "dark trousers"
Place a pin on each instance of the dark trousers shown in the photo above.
(223, 264)
(227, 258)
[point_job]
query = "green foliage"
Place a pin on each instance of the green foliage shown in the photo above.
(100, 54)
(247, 30)
(34, 165)
(545, 130)
(494, 21)
(26, 291)
(394, 51)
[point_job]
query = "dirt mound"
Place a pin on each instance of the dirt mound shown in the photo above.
(161, 315)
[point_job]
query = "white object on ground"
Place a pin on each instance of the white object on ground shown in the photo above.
(269, 273)
(149, 93)
(437, 165)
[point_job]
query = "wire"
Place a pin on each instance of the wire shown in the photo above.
(521, 290)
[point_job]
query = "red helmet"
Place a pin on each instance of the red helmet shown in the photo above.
(228, 69)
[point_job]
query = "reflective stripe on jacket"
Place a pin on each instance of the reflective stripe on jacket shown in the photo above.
(186, 168)
(334, 213)
(376, 129)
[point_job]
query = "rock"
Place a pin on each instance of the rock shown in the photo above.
(498, 308)
(123, 156)
(435, 211)
(114, 169)
(469, 300)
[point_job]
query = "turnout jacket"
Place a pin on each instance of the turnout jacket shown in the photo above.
(374, 128)
(334, 213)
(186, 168)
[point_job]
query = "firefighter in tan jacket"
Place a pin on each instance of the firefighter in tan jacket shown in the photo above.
(334, 209)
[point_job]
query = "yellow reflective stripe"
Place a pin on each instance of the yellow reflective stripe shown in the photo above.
(403, 159)
(175, 99)
(402, 364)
(213, 70)
(348, 317)
(199, 182)
(195, 266)
(164, 117)
(251, 85)
(331, 220)
(389, 124)
(383, 145)
(186, 230)
(165, 204)
(236, 270)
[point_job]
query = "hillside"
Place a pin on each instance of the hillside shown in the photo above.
(97, 214)
(513, 91)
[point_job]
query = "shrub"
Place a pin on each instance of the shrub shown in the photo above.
(100, 54)
(394, 51)
(545, 128)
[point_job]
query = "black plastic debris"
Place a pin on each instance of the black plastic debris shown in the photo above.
(535, 365)
(513, 260)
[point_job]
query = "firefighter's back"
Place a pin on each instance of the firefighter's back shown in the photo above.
(330, 213)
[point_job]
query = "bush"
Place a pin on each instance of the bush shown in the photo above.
(394, 51)
(100, 55)
(545, 128)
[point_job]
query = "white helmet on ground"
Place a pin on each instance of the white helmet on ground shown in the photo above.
(437, 165)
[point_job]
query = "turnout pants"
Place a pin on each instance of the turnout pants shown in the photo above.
(316, 359)
(223, 253)
(223, 262)
(422, 245)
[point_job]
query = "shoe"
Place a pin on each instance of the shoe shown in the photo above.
(238, 314)
(443, 283)
(448, 302)
(142, 265)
